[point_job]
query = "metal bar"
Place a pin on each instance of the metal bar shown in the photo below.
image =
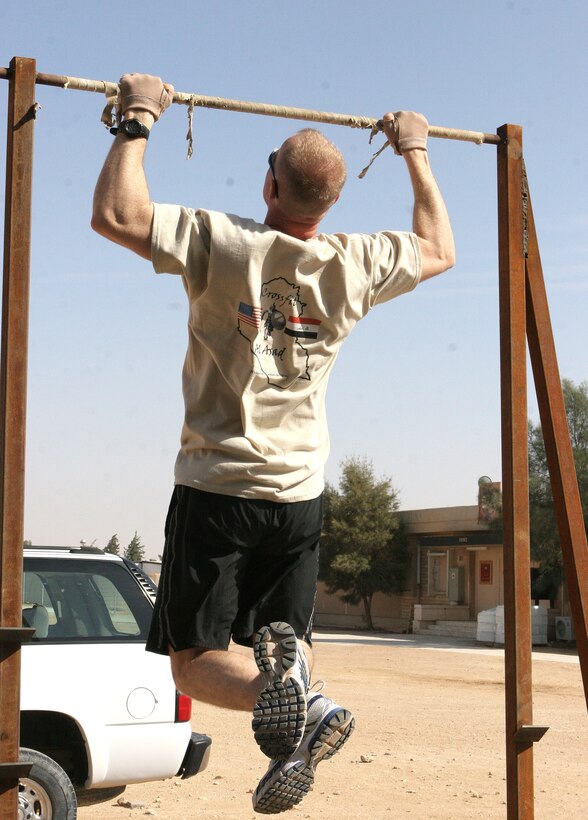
(267, 109)
(16, 635)
(558, 447)
(13, 383)
(530, 734)
(517, 591)
(11, 771)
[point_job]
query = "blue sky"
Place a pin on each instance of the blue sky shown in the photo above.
(416, 387)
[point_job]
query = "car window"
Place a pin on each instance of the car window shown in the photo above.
(80, 600)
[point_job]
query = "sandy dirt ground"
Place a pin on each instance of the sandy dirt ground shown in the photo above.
(428, 744)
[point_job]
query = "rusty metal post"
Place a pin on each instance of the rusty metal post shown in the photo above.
(13, 382)
(560, 457)
(517, 584)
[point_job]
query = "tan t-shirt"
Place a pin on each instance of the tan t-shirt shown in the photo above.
(267, 316)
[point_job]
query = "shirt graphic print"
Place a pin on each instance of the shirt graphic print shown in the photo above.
(279, 332)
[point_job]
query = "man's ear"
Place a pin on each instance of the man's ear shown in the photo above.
(267, 190)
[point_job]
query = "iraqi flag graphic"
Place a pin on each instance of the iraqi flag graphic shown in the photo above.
(302, 328)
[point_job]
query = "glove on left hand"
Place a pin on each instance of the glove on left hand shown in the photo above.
(144, 93)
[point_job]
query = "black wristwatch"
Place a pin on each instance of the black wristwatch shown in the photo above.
(131, 128)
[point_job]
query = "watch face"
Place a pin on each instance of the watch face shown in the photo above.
(132, 128)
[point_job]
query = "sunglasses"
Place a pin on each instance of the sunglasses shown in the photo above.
(270, 161)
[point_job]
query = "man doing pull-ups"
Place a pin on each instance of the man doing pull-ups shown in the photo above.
(270, 304)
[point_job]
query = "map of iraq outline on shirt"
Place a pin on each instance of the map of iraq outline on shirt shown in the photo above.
(269, 327)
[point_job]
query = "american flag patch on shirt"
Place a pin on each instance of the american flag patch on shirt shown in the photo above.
(249, 314)
(302, 328)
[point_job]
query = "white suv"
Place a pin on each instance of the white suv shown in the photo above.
(97, 710)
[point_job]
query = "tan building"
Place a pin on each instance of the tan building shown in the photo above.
(459, 570)
(456, 571)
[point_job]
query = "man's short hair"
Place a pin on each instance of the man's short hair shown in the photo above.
(315, 172)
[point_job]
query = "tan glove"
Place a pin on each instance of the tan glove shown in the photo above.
(142, 92)
(406, 130)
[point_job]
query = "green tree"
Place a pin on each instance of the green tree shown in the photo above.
(545, 541)
(364, 549)
(113, 545)
(544, 532)
(135, 551)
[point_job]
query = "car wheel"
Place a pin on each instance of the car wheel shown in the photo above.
(47, 793)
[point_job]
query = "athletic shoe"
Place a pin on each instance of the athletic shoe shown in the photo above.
(279, 716)
(286, 782)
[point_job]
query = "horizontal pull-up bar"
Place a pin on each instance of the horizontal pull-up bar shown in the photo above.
(199, 100)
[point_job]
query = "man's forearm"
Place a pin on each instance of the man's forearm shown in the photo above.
(430, 218)
(407, 132)
(122, 207)
(122, 210)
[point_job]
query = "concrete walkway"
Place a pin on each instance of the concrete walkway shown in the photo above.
(540, 653)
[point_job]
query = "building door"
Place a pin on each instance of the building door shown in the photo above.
(437, 573)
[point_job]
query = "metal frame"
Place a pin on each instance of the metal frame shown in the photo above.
(13, 384)
(524, 317)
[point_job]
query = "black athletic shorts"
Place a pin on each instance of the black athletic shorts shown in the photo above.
(232, 565)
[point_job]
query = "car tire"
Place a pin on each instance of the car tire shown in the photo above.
(47, 792)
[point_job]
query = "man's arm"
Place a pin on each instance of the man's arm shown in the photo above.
(407, 133)
(123, 211)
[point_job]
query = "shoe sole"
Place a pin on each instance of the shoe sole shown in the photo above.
(274, 650)
(279, 716)
(288, 788)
